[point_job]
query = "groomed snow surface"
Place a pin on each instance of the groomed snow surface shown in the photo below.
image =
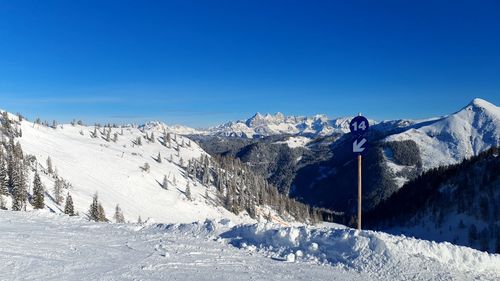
(45, 246)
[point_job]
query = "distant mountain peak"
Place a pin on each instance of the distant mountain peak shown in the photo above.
(483, 105)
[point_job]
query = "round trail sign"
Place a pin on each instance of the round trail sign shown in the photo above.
(359, 125)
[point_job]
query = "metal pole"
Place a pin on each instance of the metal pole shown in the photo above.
(359, 192)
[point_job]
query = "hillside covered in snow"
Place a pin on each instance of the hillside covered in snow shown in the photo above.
(451, 139)
(144, 173)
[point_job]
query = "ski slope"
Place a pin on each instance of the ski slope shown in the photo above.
(46, 246)
(113, 170)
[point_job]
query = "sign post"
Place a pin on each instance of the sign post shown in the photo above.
(359, 126)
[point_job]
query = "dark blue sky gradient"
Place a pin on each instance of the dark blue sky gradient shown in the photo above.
(200, 63)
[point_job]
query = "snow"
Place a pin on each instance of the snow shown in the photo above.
(46, 246)
(295, 142)
(379, 254)
(113, 171)
(268, 124)
(461, 135)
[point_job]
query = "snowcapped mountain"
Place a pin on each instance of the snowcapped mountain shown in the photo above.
(450, 139)
(266, 125)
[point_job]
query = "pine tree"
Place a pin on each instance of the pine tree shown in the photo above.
(95, 210)
(118, 216)
(152, 139)
(158, 158)
(38, 193)
(49, 165)
(2, 203)
(58, 189)
(139, 220)
(19, 188)
(4, 182)
(68, 207)
(101, 213)
(169, 140)
(188, 191)
(165, 182)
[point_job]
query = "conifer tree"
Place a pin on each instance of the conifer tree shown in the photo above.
(49, 165)
(165, 182)
(118, 216)
(4, 182)
(188, 191)
(68, 207)
(96, 211)
(101, 213)
(58, 189)
(38, 193)
(158, 158)
(139, 220)
(19, 188)
(169, 140)
(2, 203)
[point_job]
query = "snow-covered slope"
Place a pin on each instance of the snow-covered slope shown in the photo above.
(113, 170)
(267, 125)
(69, 248)
(461, 135)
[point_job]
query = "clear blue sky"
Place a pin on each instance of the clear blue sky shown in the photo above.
(200, 63)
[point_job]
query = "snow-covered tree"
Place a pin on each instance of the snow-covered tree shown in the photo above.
(4, 182)
(58, 189)
(118, 216)
(165, 182)
(38, 193)
(49, 165)
(96, 211)
(146, 168)
(19, 187)
(188, 191)
(168, 140)
(69, 209)
(158, 158)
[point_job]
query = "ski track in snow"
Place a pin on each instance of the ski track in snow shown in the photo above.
(45, 246)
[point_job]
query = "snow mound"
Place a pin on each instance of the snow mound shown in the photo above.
(364, 251)
(208, 228)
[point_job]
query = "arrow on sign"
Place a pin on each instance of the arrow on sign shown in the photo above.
(358, 147)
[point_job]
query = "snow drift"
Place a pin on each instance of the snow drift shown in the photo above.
(364, 251)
